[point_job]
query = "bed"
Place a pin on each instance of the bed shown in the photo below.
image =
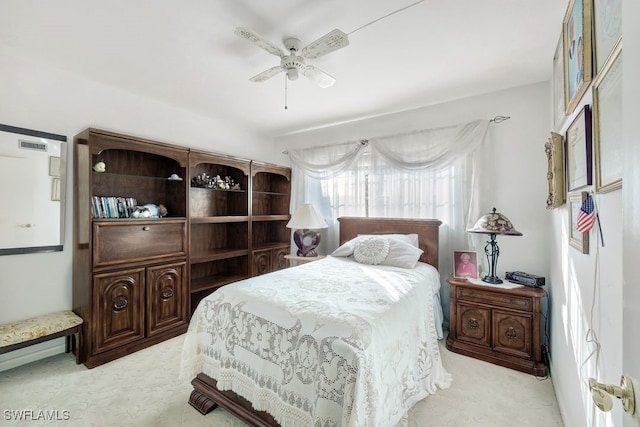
(334, 342)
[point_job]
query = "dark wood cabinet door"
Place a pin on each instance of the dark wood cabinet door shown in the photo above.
(261, 262)
(278, 261)
(167, 304)
(119, 307)
(473, 323)
(512, 333)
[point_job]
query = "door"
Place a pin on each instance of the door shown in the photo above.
(166, 297)
(631, 201)
(118, 301)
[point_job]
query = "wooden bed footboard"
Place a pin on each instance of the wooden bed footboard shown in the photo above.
(205, 397)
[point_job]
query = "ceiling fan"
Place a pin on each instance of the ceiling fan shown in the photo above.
(293, 60)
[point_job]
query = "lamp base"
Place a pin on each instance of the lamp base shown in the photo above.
(307, 241)
(494, 280)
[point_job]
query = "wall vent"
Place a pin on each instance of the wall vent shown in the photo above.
(30, 145)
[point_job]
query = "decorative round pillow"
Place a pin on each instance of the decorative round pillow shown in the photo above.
(371, 250)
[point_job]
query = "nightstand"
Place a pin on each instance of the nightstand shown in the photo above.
(497, 325)
(297, 260)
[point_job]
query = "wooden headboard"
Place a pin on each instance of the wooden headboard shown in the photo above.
(426, 229)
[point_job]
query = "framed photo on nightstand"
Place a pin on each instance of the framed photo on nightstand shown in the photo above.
(465, 264)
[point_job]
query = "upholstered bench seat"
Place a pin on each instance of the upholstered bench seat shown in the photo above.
(24, 333)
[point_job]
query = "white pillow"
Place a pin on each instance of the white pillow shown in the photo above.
(402, 254)
(346, 249)
(412, 239)
(371, 250)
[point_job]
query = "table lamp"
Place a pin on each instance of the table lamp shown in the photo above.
(303, 220)
(493, 223)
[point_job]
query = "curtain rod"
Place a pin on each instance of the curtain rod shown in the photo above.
(496, 119)
(499, 119)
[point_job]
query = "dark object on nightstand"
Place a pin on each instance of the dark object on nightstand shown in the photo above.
(524, 278)
(497, 325)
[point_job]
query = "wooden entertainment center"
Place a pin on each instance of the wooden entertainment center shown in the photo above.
(136, 281)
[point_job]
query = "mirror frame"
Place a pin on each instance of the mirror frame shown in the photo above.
(63, 183)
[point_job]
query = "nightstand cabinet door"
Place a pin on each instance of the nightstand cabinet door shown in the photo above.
(513, 333)
(474, 324)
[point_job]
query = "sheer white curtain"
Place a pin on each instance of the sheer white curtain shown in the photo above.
(424, 174)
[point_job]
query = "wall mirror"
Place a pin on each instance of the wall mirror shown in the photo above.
(33, 168)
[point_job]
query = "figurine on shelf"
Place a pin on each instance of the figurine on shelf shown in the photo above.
(100, 166)
(150, 210)
(216, 182)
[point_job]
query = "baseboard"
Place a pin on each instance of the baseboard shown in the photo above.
(31, 354)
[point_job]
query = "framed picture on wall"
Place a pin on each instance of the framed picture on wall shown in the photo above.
(465, 264)
(578, 151)
(578, 240)
(576, 35)
(554, 149)
(607, 124)
(607, 30)
(558, 87)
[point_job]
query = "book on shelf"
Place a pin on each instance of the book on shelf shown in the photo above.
(112, 207)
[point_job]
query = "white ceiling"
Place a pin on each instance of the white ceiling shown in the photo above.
(185, 52)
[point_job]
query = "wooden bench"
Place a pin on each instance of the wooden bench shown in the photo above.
(39, 329)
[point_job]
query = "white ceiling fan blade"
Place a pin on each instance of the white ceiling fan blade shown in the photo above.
(267, 74)
(258, 40)
(321, 78)
(331, 41)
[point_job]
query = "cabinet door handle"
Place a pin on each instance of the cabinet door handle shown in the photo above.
(146, 228)
(473, 324)
(512, 334)
(167, 292)
(120, 303)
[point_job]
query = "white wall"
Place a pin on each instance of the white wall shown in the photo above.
(519, 185)
(38, 97)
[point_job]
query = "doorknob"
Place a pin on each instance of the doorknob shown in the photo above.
(602, 393)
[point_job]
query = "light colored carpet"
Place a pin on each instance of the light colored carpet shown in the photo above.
(142, 389)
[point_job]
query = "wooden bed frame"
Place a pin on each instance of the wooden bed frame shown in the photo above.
(205, 395)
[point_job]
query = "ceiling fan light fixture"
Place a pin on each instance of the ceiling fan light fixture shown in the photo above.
(292, 73)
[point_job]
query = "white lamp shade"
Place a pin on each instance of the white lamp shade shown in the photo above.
(305, 217)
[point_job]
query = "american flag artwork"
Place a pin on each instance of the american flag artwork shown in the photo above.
(586, 215)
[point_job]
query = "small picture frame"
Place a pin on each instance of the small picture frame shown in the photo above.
(578, 151)
(554, 149)
(576, 30)
(55, 190)
(54, 166)
(578, 240)
(465, 264)
(607, 124)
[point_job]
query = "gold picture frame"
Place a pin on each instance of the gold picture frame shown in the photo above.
(607, 30)
(578, 240)
(554, 149)
(576, 36)
(557, 81)
(578, 151)
(607, 124)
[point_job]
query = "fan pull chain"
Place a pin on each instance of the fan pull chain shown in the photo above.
(285, 90)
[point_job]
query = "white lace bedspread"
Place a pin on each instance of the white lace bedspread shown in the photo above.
(328, 343)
